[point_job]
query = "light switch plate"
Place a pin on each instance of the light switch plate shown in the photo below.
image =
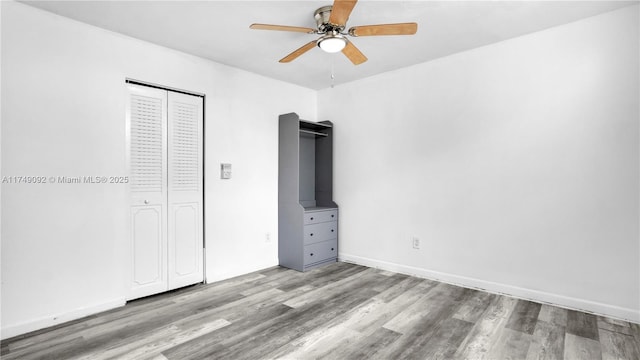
(225, 171)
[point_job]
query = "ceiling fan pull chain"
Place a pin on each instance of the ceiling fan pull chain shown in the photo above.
(333, 76)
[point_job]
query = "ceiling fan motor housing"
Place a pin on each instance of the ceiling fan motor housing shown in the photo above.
(322, 20)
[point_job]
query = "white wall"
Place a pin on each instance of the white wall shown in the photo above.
(63, 106)
(515, 164)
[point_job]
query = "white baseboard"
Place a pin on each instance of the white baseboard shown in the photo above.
(597, 308)
(55, 319)
(219, 276)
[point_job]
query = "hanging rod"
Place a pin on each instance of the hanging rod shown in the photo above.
(313, 132)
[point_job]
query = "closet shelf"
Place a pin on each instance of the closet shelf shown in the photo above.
(310, 125)
(313, 132)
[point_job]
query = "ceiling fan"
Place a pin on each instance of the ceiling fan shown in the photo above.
(331, 22)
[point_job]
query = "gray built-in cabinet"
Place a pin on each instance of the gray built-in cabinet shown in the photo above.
(307, 215)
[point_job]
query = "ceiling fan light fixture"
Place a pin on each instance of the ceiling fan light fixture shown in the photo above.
(332, 43)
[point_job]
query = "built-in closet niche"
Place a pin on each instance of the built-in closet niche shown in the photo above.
(307, 214)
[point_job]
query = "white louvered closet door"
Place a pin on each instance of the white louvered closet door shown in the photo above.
(147, 124)
(165, 168)
(185, 190)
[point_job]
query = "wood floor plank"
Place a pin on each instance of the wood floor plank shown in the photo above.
(201, 347)
(47, 351)
(446, 299)
(288, 327)
(245, 306)
(102, 336)
(68, 331)
(359, 323)
(330, 289)
(413, 306)
(330, 337)
(399, 288)
(524, 317)
(367, 347)
(388, 310)
(553, 315)
(473, 308)
(547, 342)
(485, 332)
(618, 346)
(231, 310)
(274, 280)
(510, 344)
(154, 343)
(389, 273)
(619, 326)
(193, 324)
(582, 324)
(339, 311)
(159, 357)
(318, 344)
(218, 288)
(581, 348)
(445, 341)
(321, 276)
(390, 280)
(270, 272)
(635, 330)
(241, 317)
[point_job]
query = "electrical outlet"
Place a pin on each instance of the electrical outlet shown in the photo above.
(267, 237)
(415, 242)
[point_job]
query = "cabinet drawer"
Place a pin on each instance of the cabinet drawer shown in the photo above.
(320, 216)
(320, 251)
(320, 232)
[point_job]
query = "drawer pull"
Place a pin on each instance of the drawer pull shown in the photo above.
(311, 234)
(331, 249)
(331, 230)
(332, 215)
(311, 254)
(311, 218)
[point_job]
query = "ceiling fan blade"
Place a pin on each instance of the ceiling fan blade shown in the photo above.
(340, 11)
(355, 55)
(303, 49)
(384, 29)
(282, 28)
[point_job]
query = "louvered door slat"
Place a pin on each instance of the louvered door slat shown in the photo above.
(146, 143)
(185, 143)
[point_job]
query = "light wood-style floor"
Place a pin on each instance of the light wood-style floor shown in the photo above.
(340, 311)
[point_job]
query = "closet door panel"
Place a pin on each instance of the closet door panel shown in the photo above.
(148, 263)
(185, 190)
(146, 117)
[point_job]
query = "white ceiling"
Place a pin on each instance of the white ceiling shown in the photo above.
(219, 30)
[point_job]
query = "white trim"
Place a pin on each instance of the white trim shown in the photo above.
(597, 308)
(56, 319)
(213, 278)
